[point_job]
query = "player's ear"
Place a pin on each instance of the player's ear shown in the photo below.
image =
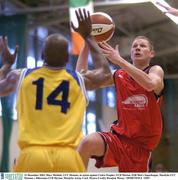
(152, 54)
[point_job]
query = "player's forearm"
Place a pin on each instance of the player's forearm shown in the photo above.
(4, 70)
(138, 75)
(99, 61)
(82, 62)
(101, 73)
(9, 83)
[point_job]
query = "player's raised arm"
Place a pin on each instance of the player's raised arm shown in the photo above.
(82, 62)
(101, 75)
(8, 58)
(8, 80)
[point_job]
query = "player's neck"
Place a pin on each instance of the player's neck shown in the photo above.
(141, 66)
(52, 67)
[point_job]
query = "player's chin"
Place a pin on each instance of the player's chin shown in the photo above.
(138, 58)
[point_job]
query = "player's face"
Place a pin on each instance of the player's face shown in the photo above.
(140, 51)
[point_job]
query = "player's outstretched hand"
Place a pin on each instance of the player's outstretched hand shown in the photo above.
(84, 23)
(7, 56)
(112, 54)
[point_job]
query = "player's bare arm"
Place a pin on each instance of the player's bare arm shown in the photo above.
(156, 73)
(8, 58)
(92, 82)
(9, 84)
(82, 62)
(8, 78)
(153, 81)
(96, 78)
(82, 67)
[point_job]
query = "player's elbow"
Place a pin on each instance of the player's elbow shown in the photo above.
(152, 85)
(149, 88)
(101, 80)
(105, 74)
(105, 70)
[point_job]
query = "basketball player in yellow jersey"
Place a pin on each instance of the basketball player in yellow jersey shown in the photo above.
(51, 102)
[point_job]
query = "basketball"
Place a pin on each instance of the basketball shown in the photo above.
(102, 26)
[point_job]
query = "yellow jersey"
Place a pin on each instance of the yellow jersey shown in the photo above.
(50, 107)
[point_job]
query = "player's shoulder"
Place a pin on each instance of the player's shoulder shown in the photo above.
(156, 68)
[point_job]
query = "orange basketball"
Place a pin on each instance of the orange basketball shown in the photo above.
(102, 26)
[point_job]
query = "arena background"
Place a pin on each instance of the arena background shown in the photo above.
(28, 22)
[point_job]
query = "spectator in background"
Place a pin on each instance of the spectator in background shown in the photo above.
(160, 168)
(169, 9)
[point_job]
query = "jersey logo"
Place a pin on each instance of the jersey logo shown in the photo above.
(136, 101)
(120, 76)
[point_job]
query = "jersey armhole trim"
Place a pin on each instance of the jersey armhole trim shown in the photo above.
(82, 85)
(22, 75)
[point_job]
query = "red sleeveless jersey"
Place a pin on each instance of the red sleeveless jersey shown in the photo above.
(139, 115)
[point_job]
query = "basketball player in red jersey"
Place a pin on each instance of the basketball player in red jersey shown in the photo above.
(137, 131)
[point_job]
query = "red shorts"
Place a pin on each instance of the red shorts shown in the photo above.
(123, 153)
